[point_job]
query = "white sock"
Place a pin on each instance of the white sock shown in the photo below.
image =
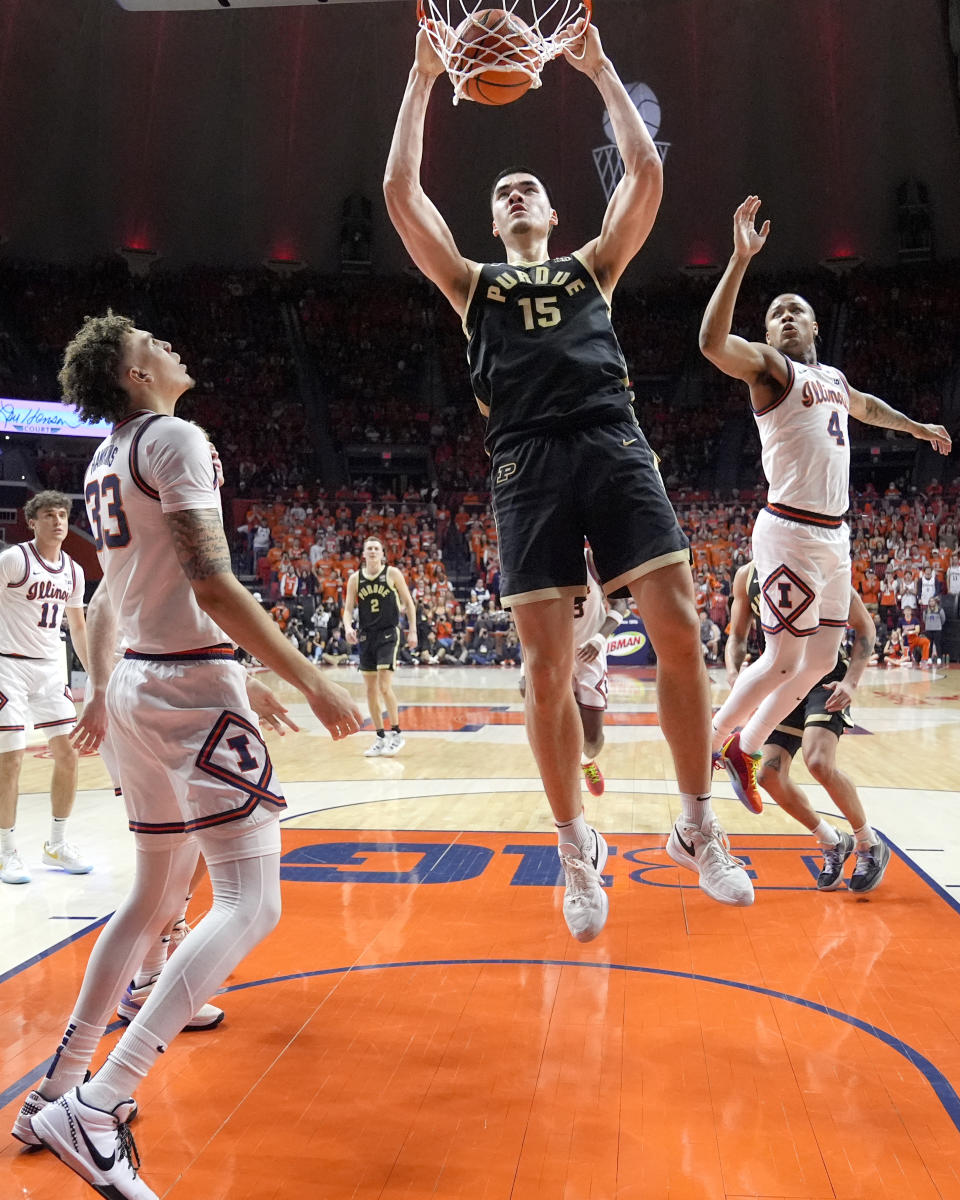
(718, 737)
(864, 836)
(126, 1067)
(58, 831)
(70, 1063)
(697, 810)
(154, 961)
(574, 833)
(8, 843)
(825, 834)
(585, 759)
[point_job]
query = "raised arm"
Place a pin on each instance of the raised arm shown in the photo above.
(202, 551)
(422, 229)
(871, 410)
(636, 198)
(753, 362)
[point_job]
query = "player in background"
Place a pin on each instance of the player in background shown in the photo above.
(568, 462)
(815, 726)
(39, 582)
(593, 624)
(801, 544)
(378, 592)
(194, 769)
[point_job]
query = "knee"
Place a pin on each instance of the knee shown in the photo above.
(769, 777)
(63, 752)
(547, 678)
(820, 765)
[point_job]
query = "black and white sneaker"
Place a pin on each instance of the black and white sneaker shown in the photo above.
(707, 851)
(585, 903)
(871, 863)
(96, 1145)
(831, 873)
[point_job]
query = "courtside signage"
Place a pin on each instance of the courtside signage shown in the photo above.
(46, 417)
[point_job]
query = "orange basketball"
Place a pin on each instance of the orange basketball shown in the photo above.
(500, 41)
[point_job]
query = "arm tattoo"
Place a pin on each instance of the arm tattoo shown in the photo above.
(877, 412)
(199, 541)
(862, 648)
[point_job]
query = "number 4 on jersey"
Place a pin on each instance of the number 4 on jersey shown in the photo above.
(833, 428)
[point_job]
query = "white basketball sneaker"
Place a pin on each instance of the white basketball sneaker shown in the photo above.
(13, 869)
(32, 1104)
(585, 903)
(207, 1016)
(378, 747)
(707, 851)
(67, 857)
(96, 1145)
(395, 741)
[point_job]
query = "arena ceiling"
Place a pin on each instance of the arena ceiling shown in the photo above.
(236, 135)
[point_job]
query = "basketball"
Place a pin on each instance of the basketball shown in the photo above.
(501, 42)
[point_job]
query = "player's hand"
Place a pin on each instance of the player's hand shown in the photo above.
(746, 240)
(91, 728)
(590, 650)
(585, 51)
(334, 709)
(937, 436)
(268, 708)
(432, 36)
(841, 697)
(350, 634)
(412, 640)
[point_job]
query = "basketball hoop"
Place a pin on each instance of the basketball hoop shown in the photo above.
(609, 165)
(545, 20)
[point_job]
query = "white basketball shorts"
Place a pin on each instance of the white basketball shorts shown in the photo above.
(188, 750)
(33, 692)
(590, 682)
(804, 574)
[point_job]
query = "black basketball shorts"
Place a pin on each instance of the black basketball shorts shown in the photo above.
(601, 483)
(812, 711)
(378, 649)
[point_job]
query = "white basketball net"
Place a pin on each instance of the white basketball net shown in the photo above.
(535, 28)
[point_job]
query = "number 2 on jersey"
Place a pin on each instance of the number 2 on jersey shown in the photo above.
(109, 528)
(833, 428)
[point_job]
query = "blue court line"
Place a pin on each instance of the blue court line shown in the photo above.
(938, 1082)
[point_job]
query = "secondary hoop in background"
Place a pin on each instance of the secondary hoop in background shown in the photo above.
(545, 20)
(609, 165)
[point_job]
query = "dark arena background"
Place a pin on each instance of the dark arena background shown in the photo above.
(420, 1025)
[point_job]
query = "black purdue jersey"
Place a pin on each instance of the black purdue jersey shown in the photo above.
(753, 595)
(542, 353)
(377, 601)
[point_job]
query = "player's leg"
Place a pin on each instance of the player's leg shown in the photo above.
(12, 867)
(57, 851)
(774, 777)
(386, 665)
(590, 693)
(371, 683)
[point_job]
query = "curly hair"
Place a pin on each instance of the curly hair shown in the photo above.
(89, 377)
(36, 504)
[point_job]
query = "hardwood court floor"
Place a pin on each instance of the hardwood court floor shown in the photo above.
(421, 1024)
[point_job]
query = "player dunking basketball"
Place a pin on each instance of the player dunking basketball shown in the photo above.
(801, 544)
(569, 461)
(193, 767)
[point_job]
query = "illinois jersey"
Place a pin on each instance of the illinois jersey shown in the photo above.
(542, 353)
(806, 447)
(33, 596)
(150, 464)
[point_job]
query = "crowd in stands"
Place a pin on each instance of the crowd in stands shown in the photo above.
(284, 363)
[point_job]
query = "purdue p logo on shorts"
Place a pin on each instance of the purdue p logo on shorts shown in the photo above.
(504, 472)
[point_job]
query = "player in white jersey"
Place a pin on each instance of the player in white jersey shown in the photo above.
(193, 767)
(801, 544)
(39, 583)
